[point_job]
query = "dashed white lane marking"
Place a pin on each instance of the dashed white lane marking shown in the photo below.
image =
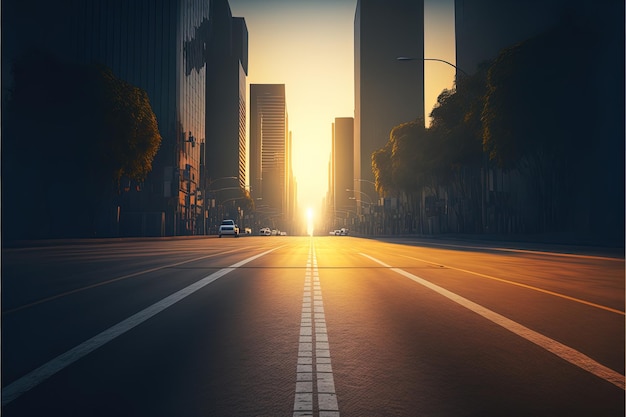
(34, 378)
(314, 376)
(572, 356)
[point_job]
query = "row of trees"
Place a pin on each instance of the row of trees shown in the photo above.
(70, 134)
(539, 117)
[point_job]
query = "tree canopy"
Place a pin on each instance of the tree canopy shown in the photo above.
(531, 141)
(71, 132)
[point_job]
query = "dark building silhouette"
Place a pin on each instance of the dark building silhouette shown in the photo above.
(268, 149)
(227, 68)
(291, 224)
(387, 92)
(343, 172)
(157, 46)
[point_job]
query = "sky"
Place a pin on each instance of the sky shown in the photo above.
(309, 46)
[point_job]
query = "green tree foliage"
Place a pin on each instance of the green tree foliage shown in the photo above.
(536, 116)
(457, 129)
(533, 140)
(130, 138)
(382, 169)
(70, 133)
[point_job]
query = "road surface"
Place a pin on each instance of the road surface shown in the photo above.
(301, 326)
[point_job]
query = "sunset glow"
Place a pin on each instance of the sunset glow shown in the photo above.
(309, 47)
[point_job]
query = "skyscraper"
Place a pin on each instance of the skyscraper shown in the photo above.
(157, 46)
(343, 168)
(227, 68)
(268, 145)
(387, 92)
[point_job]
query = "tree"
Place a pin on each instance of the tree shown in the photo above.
(381, 167)
(457, 130)
(535, 120)
(70, 133)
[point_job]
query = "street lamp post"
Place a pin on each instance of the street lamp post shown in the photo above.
(207, 204)
(370, 203)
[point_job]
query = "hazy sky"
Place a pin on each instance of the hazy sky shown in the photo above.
(309, 46)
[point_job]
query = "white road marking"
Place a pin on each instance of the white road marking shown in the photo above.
(572, 356)
(99, 284)
(519, 284)
(314, 349)
(37, 376)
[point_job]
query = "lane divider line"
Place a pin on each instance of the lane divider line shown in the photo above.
(99, 284)
(519, 284)
(37, 376)
(314, 373)
(567, 353)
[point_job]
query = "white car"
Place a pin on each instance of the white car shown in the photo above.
(265, 231)
(228, 227)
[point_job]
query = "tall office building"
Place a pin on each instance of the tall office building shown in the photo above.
(343, 168)
(157, 46)
(227, 68)
(387, 92)
(291, 189)
(268, 146)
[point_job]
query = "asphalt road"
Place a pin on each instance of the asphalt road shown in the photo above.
(300, 326)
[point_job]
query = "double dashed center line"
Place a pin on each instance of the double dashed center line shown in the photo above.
(314, 382)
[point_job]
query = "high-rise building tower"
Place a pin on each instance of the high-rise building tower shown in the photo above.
(387, 92)
(157, 46)
(268, 145)
(227, 68)
(343, 169)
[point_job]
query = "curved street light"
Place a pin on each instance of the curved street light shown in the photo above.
(368, 181)
(407, 58)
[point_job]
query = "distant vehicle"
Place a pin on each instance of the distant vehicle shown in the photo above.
(247, 231)
(337, 232)
(283, 233)
(228, 227)
(265, 231)
(341, 232)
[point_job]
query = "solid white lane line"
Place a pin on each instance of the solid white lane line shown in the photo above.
(314, 350)
(35, 377)
(519, 284)
(110, 281)
(572, 356)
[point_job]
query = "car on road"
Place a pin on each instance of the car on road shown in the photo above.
(265, 231)
(341, 232)
(228, 227)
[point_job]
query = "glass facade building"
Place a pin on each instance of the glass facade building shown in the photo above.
(227, 68)
(268, 146)
(159, 47)
(343, 167)
(156, 45)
